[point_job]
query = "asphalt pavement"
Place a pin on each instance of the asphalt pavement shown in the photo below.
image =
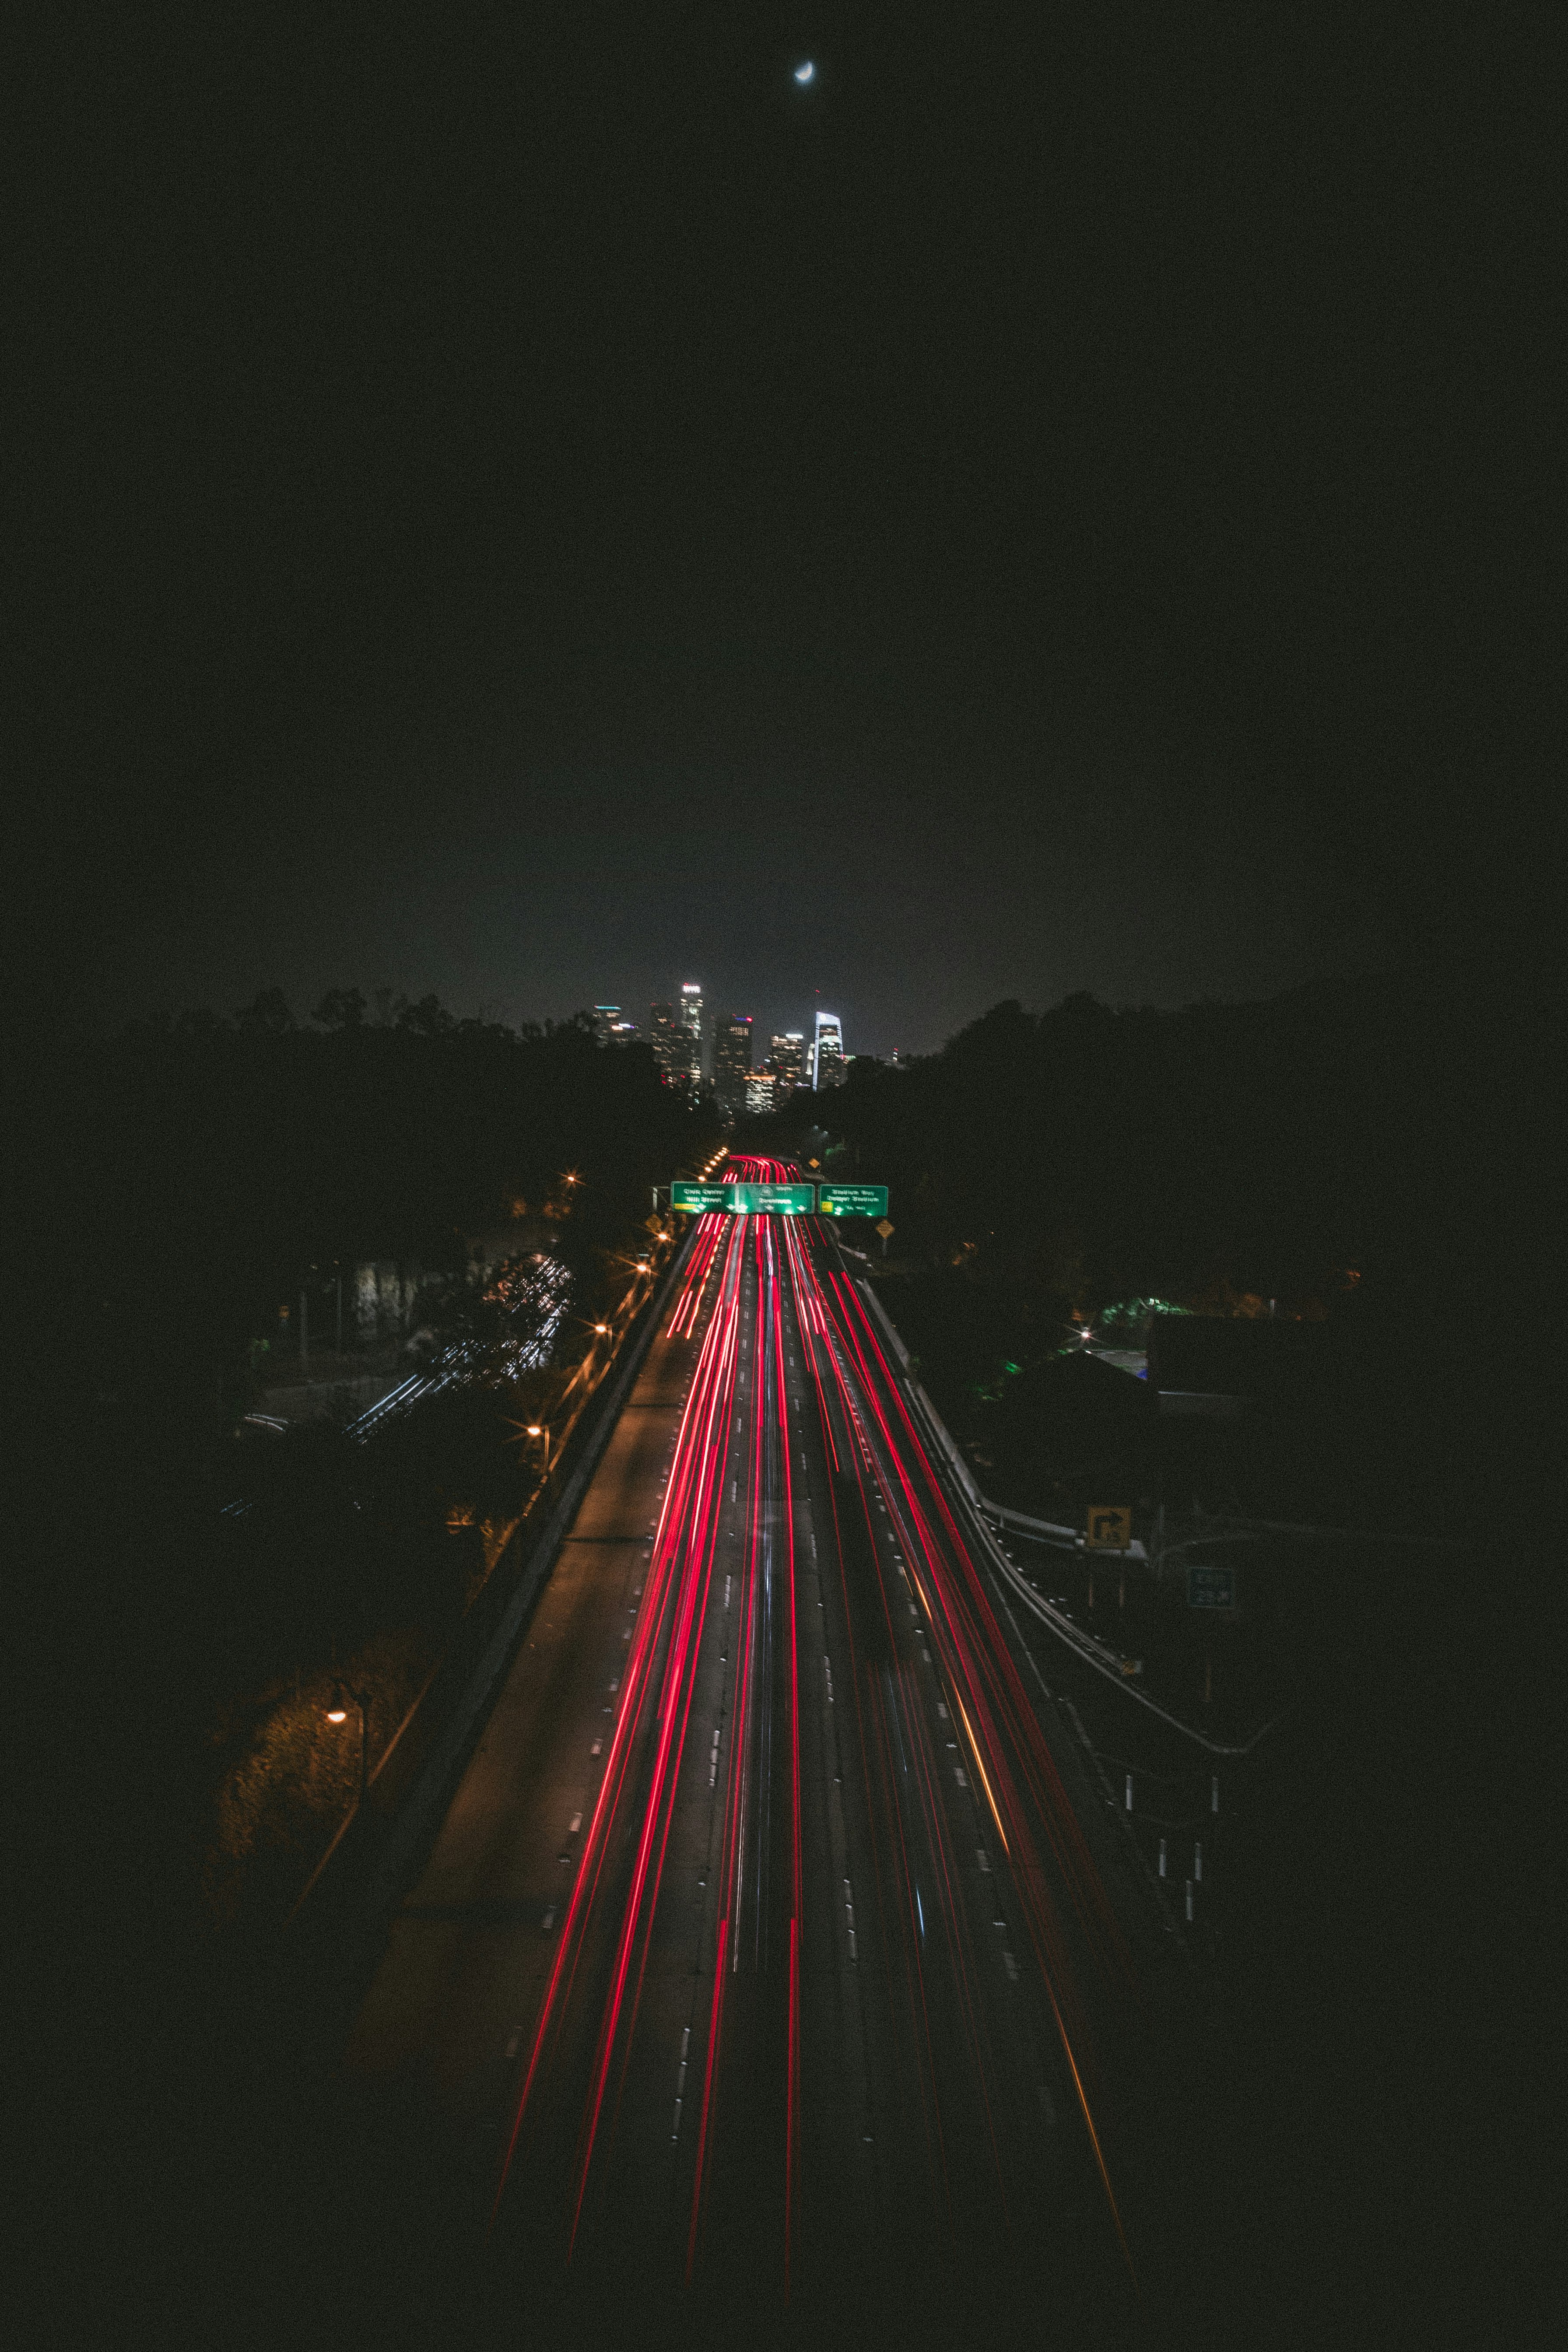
(779, 1963)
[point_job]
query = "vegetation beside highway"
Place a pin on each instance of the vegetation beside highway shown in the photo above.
(1339, 1152)
(206, 1169)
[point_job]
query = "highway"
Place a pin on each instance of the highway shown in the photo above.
(777, 1965)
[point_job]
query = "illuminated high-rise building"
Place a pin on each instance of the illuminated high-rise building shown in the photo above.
(611, 1026)
(669, 1040)
(827, 1053)
(732, 1060)
(787, 1060)
(761, 1091)
(691, 1023)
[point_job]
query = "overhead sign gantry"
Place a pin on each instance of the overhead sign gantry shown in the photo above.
(782, 1200)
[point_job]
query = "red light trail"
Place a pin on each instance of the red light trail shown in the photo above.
(758, 1295)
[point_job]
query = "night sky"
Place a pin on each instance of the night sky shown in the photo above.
(535, 504)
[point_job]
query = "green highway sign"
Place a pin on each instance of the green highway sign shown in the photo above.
(854, 1199)
(700, 1196)
(774, 1200)
(1210, 1588)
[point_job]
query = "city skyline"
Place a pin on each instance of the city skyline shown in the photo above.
(726, 1048)
(861, 624)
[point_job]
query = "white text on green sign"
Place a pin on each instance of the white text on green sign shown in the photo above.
(854, 1199)
(698, 1196)
(774, 1200)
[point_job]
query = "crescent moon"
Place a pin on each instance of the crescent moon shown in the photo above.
(804, 73)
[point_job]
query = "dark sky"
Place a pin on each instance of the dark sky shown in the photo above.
(533, 504)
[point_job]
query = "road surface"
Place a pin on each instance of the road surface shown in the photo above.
(777, 1965)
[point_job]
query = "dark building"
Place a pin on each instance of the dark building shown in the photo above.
(786, 1061)
(1266, 1418)
(670, 1040)
(733, 1061)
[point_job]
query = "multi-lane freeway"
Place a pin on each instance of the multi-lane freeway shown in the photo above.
(778, 1954)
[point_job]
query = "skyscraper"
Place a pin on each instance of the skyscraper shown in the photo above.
(761, 1091)
(786, 1059)
(604, 1019)
(827, 1053)
(732, 1060)
(668, 1038)
(691, 1023)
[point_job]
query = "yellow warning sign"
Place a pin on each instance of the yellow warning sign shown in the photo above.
(1110, 1527)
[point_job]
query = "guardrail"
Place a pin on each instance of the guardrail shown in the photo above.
(1097, 1655)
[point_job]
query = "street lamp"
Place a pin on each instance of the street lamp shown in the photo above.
(337, 1712)
(537, 1429)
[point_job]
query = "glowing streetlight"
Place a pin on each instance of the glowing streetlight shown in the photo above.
(337, 1712)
